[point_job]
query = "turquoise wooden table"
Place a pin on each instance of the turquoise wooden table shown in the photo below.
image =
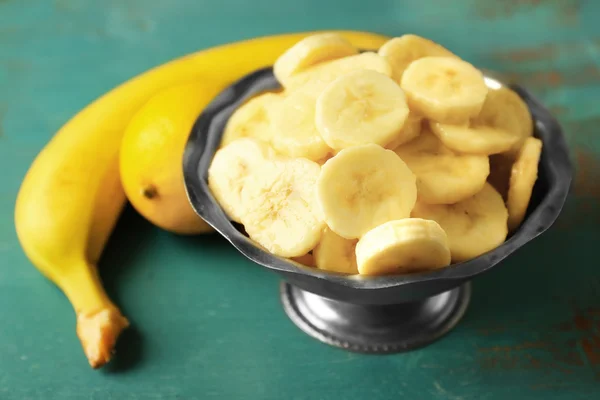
(206, 323)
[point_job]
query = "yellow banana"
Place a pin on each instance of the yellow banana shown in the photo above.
(71, 196)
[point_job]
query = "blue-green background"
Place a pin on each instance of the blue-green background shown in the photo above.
(206, 323)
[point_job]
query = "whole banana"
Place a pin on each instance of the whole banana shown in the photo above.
(71, 197)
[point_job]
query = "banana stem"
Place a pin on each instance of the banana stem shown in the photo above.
(99, 321)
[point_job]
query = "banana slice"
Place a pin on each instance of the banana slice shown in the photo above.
(443, 176)
(406, 245)
(403, 50)
(499, 127)
(334, 253)
(314, 79)
(522, 178)
(229, 169)
(444, 89)
(474, 226)
(296, 134)
(522, 122)
(362, 187)
(474, 138)
(359, 108)
(307, 260)
(251, 120)
(281, 212)
(410, 130)
(310, 51)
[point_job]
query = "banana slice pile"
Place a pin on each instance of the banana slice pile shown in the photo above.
(374, 163)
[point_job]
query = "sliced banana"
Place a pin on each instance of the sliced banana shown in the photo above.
(334, 253)
(522, 179)
(403, 50)
(310, 51)
(359, 108)
(307, 260)
(443, 176)
(474, 138)
(229, 169)
(410, 130)
(444, 89)
(498, 127)
(406, 245)
(362, 187)
(295, 132)
(474, 226)
(281, 212)
(522, 122)
(251, 120)
(314, 79)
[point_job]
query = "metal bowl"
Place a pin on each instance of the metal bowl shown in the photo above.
(373, 314)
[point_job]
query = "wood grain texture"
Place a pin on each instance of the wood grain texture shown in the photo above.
(206, 323)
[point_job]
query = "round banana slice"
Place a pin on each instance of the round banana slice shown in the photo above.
(229, 169)
(295, 132)
(362, 187)
(336, 254)
(410, 130)
(401, 51)
(406, 245)
(474, 138)
(522, 178)
(314, 79)
(474, 226)
(281, 212)
(443, 176)
(522, 121)
(359, 108)
(444, 89)
(251, 120)
(310, 51)
(499, 127)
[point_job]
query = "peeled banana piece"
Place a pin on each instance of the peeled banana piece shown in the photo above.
(336, 254)
(519, 121)
(496, 129)
(444, 89)
(403, 50)
(523, 175)
(281, 212)
(251, 120)
(316, 78)
(361, 107)
(230, 168)
(310, 51)
(443, 176)
(295, 130)
(362, 187)
(474, 226)
(406, 245)
(411, 129)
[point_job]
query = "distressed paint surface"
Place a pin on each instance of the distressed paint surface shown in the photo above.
(206, 322)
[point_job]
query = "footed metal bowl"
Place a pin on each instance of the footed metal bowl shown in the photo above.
(373, 314)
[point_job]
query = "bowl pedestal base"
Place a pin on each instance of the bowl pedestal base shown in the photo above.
(376, 329)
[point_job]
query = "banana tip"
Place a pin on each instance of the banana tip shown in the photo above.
(98, 333)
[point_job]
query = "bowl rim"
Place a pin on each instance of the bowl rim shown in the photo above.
(202, 144)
